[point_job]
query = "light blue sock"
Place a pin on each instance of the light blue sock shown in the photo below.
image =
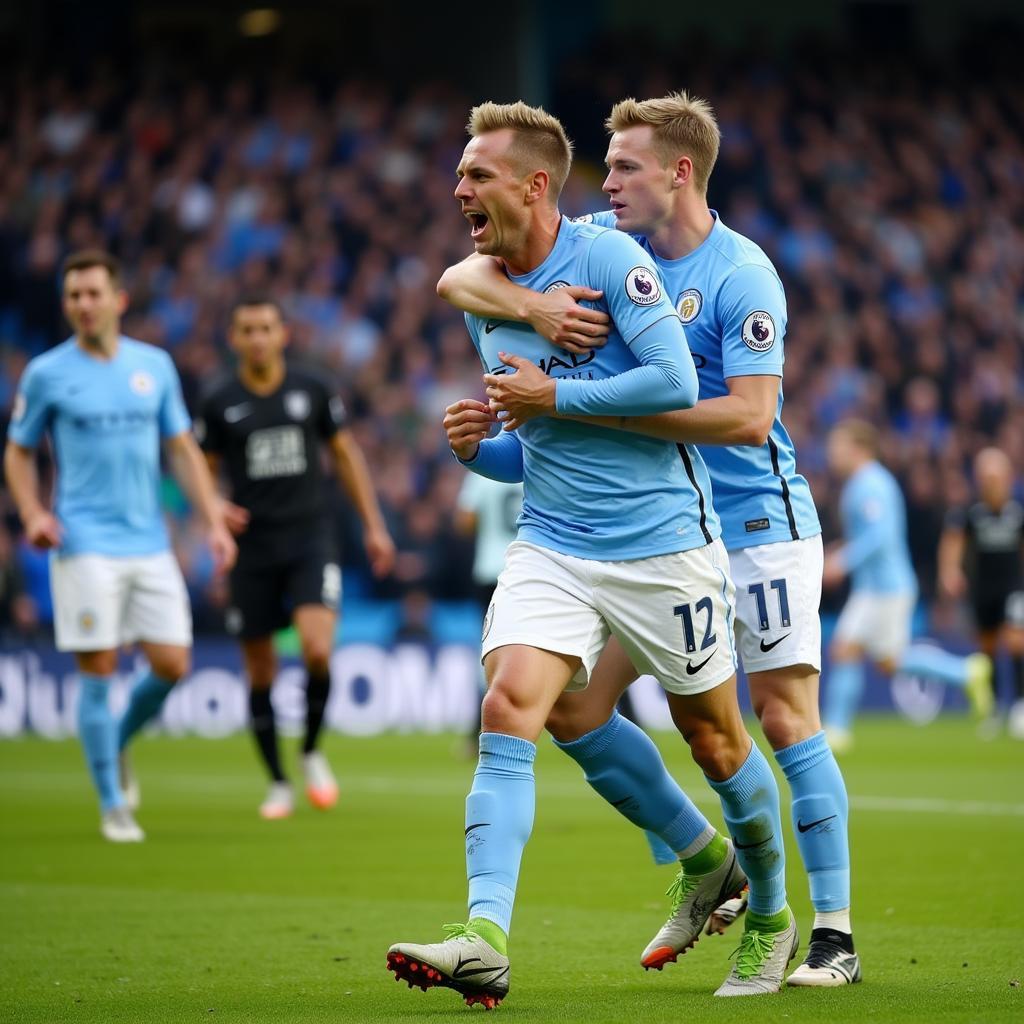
(820, 813)
(932, 662)
(622, 763)
(750, 805)
(499, 819)
(97, 731)
(843, 693)
(660, 850)
(148, 696)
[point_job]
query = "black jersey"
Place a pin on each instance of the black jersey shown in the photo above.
(271, 447)
(994, 545)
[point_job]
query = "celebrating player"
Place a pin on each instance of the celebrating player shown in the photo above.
(876, 619)
(267, 423)
(728, 295)
(617, 536)
(987, 540)
(107, 402)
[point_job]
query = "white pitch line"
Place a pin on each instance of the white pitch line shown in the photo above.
(222, 786)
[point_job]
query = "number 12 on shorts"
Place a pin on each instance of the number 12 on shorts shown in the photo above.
(758, 592)
(686, 613)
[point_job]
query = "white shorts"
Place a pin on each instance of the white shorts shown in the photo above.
(672, 613)
(778, 593)
(879, 623)
(101, 602)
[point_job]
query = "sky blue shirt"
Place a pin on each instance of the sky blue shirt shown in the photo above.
(106, 420)
(875, 530)
(589, 491)
(733, 306)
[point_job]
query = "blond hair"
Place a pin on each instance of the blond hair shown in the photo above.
(540, 140)
(863, 434)
(681, 125)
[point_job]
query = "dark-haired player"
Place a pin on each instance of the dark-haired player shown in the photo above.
(266, 425)
(981, 556)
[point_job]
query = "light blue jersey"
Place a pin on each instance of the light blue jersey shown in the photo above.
(591, 492)
(732, 303)
(875, 528)
(106, 420)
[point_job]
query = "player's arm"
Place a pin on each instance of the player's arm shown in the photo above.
(192, 472)
(41, 526)
(29, 420)
(480, 286)
(744, 416)
(952, 545)
(467, 424)
(870, 538)
(354, 475)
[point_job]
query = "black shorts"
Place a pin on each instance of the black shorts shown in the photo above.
(263, 597)
(993, 608)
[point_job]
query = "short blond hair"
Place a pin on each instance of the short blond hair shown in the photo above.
(540, 142)
(681, 125)
(863, 434)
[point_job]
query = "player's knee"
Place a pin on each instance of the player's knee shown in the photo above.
(566, 725)
(718, 753)
(843, 651)
(172, 664)
(783, 724)
(503, 709)
(97, 663)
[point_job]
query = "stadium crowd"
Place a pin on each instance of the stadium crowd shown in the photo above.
(892, 203)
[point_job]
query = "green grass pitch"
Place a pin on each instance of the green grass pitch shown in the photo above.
(220, 917)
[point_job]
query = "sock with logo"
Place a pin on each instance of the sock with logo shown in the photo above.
(97, 732)
(318, 689)
(499, 819)
(930, 662)
(820, 814)
(833, 926)
(750, 806)
(622, 763)
(264, 730)
(147, 698)
(843, 693)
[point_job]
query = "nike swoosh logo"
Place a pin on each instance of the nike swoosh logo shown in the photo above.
(751, 846)
(692, 670)
(624, 800)
(479, 824)
(236, 413)
(493, 325)
(775, 643)
(806, 828)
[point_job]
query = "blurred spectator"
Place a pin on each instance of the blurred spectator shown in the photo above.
(890, 196)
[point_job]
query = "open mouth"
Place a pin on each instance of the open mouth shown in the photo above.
(477, 223)
(617, 207)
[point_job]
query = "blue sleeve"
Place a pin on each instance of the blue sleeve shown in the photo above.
(869, 535)
(666, 378)
(174, 417)
(751, 308)
(31, 414)
(498, 458)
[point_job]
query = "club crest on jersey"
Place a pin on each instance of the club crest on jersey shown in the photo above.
(689, 305)
(584, 218)
(141, 383)
(296, 404)
(642, 286)
(759, 331)
(86, 620)
(556, 286)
